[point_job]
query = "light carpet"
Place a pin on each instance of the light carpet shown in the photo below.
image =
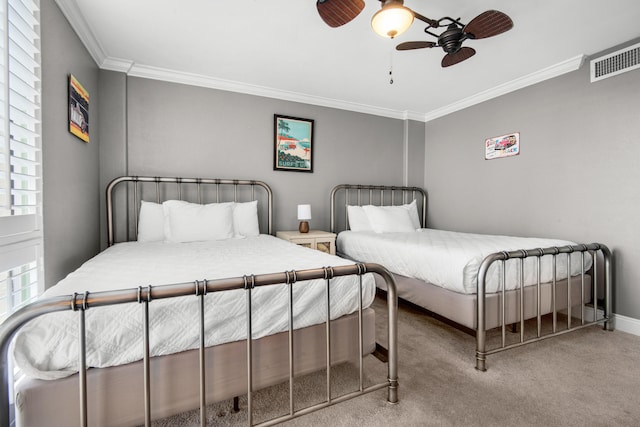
(589, 377)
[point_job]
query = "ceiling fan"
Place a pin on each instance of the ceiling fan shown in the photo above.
(338, 12)
(488, 24)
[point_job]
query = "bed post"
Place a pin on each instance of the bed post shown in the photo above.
(5, 409)
(481, 357)
(608, 283)
(110, 218)
(481, 332)
(8, 329)
(392, 307)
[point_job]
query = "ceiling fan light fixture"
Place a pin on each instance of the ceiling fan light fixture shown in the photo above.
(392, 20)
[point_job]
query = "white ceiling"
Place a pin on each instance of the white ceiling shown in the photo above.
(282, 49)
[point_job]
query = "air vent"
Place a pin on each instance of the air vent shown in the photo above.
(615, 63)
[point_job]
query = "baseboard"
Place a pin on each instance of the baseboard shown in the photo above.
(626, 324)
(620, 323)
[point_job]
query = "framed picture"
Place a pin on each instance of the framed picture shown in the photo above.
(293, 144)
(502, 146)
(78, 109)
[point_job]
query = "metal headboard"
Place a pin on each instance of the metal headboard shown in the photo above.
(379, 195)
(129, 191)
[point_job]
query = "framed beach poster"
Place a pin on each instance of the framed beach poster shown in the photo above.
(293, 144)
(78, 109)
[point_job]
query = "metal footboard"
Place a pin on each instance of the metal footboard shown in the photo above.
(345, 195)
(145, 295)
(503, 257)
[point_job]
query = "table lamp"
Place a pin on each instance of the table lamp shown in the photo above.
(304, 215)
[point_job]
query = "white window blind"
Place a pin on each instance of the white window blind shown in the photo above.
(18, 279)
(20, 156)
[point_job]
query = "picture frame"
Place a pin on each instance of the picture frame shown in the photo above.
(293, 143)
(78, 109)
(502, 146)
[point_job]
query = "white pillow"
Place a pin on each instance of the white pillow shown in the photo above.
(413, 213)
(358, 220)
(193, 222)
(245, 219)
(151, 222)
(389, 219)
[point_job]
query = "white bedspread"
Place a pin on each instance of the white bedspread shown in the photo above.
(47, 347)
(452, 259)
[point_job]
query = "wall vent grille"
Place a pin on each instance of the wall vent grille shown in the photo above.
(615, 63)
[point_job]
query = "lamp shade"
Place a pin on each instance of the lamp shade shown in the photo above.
(392, 20)
(304, 212)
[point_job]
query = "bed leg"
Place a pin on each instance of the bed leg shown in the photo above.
(609, 325)
(481, 362)
(392, 335)
(392, 392)
(236, 404)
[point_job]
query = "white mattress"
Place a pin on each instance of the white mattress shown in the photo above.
(47, 347)
(452, 259)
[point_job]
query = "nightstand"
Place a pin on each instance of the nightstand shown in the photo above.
(314, 239)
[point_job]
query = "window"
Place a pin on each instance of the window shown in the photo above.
(20, 156)
(18, 285)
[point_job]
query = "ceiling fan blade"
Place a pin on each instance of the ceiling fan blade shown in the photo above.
(459, 56)
(414, 45)
(488, 24)
(338, 12)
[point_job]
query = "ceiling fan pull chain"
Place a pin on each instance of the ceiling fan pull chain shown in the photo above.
(391, 68)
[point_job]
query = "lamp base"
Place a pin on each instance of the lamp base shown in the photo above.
(304, 227)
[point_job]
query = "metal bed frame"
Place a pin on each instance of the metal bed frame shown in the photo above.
(80, 303)
(392, 195)
(134, 194)
(145, 295)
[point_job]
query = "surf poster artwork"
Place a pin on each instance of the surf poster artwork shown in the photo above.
(293, 143)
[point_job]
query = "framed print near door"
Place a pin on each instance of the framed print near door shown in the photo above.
(293, 144)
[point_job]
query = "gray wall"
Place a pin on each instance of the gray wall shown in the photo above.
(415, 164)
(112, 87)
(70, 166)
(576, 177)
(181, 130)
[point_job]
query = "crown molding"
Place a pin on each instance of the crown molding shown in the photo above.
(117, 64)
(70, 10)
(556, 70)
(155, 73)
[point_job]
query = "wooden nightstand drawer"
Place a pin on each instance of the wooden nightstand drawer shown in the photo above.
(314, 239)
